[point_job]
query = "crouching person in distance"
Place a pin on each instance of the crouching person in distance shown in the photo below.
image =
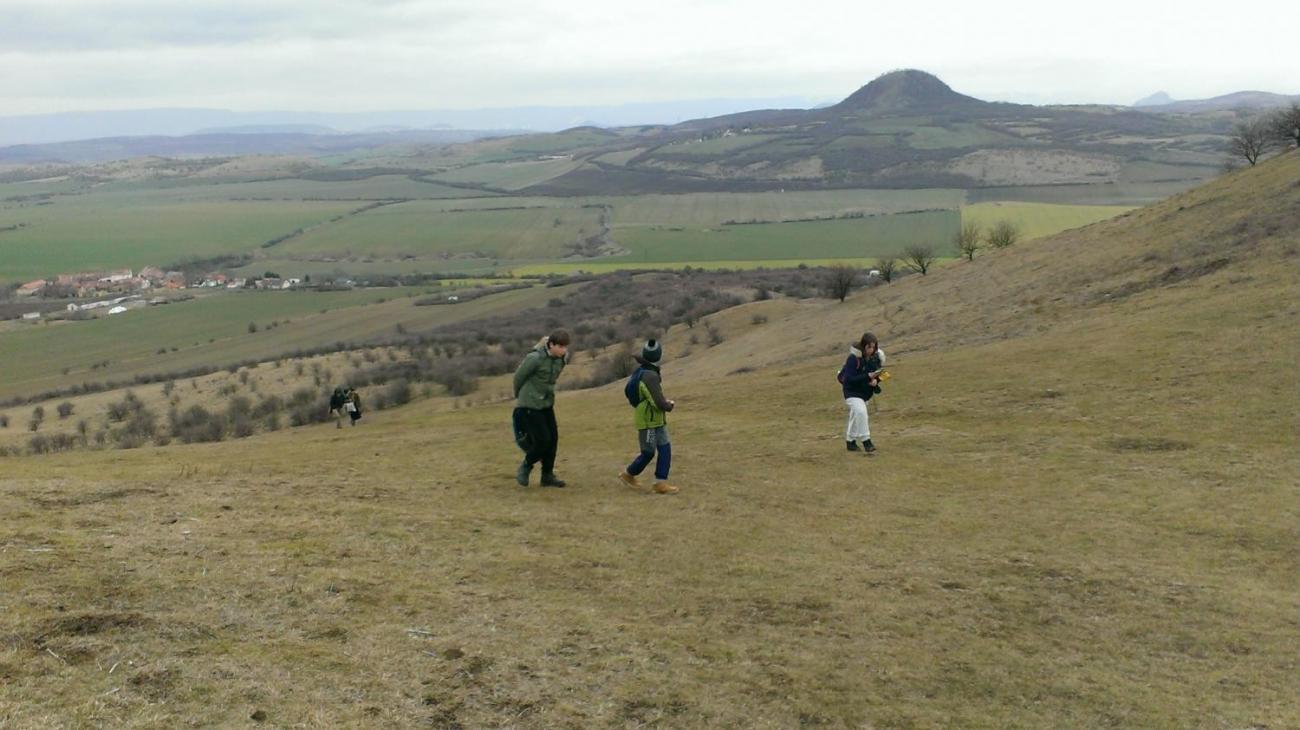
(535, 407)
(645, 392)
(860, 378)
(337, 399)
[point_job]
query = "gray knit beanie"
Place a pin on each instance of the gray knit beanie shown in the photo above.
(652, 351)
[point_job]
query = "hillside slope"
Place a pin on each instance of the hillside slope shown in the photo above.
(1083, 513)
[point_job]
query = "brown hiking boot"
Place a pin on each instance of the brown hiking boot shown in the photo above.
(628, 479)
(664, 488)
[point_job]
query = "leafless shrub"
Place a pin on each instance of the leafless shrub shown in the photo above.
(919, 257)
(969, 239)
(840, 280)
(1250, 140)
(1003, 233)
(887, 266)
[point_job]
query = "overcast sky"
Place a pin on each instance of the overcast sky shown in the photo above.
(359, 55)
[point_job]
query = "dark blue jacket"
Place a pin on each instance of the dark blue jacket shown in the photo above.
(855, 376)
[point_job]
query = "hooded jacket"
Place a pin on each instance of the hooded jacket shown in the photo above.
(652, 411)
(535, 378)
(855, 376)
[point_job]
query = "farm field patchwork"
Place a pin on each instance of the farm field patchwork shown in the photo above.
(77, 233)
(714, 209)
(510, 175)
(854, 238)
(419, 229)
(380, 187)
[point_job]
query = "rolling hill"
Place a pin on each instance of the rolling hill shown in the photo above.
(904, 129)
(1083, 513)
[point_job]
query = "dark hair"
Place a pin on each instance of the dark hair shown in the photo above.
(867, 339)
(558, 337)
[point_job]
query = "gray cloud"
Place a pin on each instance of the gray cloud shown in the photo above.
(81, 25)
(356, 54)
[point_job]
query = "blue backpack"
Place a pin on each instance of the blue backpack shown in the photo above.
(632, 391)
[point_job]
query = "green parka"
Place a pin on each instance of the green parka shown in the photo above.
(535, 378)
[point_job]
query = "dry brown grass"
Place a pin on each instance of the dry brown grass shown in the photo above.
(1083, 514)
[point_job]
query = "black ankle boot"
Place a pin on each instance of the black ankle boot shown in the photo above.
(523, 472)
(550, 480)
(853, 445)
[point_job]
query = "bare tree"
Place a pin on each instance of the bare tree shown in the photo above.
(968, 239)
(919, 257)
(1249, 140)
(840, 279)
(887, 265)
(1003, 233)
(1284, 126)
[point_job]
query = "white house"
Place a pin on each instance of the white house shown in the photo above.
(117, 310)
(31, 315)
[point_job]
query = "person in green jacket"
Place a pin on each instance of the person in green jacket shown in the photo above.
(534, 416)
(651, 423)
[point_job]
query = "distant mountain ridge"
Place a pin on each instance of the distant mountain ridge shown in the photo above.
(1162, 103)
(71, 126)
(904, 129)
(229, 144)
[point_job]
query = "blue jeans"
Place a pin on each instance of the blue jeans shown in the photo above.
(653, 441)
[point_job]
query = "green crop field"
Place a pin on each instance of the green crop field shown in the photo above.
(213, 330)
(1040, 219)
(422, 230)
(621, 157)
(605, 266)
(713, 209)
(1123, 193)
(716, 145)
(17, 191)
(380, 187)
(861, 142)
(84, 232)
(853, 238)
(958, 135)
(510, 175)
(560, 142)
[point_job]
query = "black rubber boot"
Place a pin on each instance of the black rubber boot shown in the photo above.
(868, 447)
(550, 480)
(853, 445)
(524, 471)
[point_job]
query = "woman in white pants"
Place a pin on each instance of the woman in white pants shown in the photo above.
(860, 378)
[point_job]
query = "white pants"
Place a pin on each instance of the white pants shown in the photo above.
(858, 427)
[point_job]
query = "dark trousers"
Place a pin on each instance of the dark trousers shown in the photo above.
(543, 437)
(653, 441)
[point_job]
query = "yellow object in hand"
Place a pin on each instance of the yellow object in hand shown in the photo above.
(884, 375)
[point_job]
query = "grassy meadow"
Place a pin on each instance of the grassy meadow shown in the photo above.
(1080, 515)
(417, 229)
(82, 232)
(1036, 220)
(865, 237)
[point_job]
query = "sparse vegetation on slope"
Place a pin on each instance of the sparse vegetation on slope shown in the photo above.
(1083, 513)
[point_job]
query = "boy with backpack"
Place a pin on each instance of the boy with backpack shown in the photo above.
(644, 392)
